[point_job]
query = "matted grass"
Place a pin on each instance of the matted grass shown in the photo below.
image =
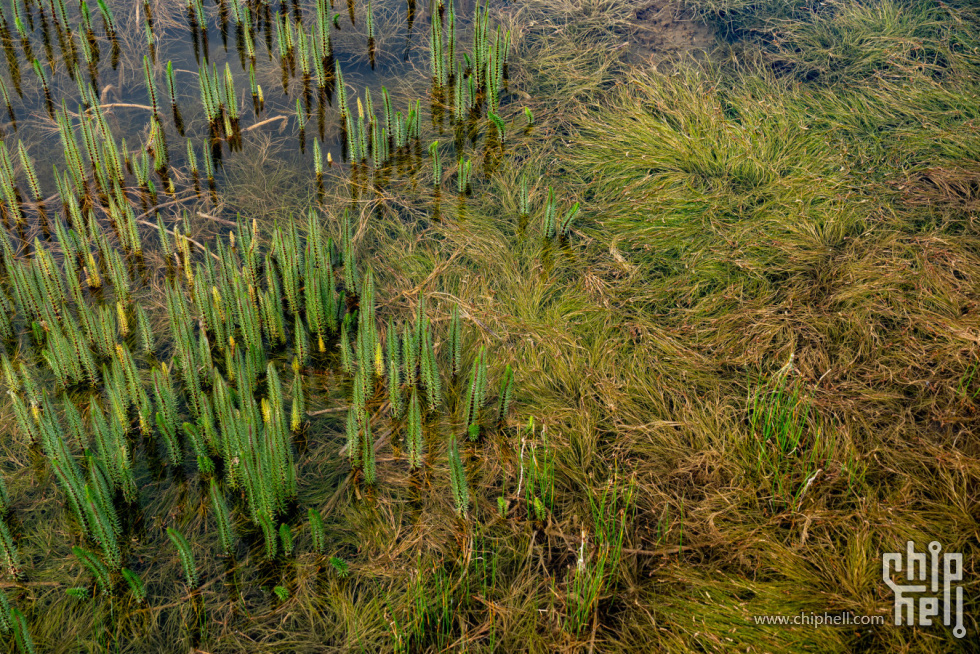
(764, 224)
(764, 332)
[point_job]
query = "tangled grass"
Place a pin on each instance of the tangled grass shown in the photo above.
(763, 339)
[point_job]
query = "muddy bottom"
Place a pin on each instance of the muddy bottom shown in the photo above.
(665, 32)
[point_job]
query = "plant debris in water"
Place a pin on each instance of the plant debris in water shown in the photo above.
(470, 327)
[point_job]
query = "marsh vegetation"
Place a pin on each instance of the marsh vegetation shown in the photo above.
(562, 325)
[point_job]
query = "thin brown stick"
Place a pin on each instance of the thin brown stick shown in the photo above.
(161, 206)
(174, 234)
(323, 411)
(224, 221)
(114, 105)
(267, 120)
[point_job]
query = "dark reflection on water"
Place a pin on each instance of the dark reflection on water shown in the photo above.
(123, 96)
(120, 146)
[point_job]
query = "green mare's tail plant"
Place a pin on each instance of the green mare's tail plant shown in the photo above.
(298, 408)
(4, 498)
(5, 93)
(463, 176)
(506, 390)
(539, 469)
(45, 80)
(317, 531)
(565, 225)
(144, 330)
(428, 366)
(166, 418)
(32, 181)
(110, 29)
(477, 394)
(101, 516)
(352, 432)
(186, 556)
(222, 515)
(172, 87)
(499, 125)
(21, 634)
(8, 551)
(301, 122)
(150, 38)
(5, 623)
(457, 480)
(196, 438)
(269, 535)
(151, 88)
(349, 263)
(135, 585)
(455, 340)
(549, 215)
(78, 593)
(346, 353)
(370, 469)
(393, 368)
(318, 169)
(99, 572)
(340, 567)
(436, 164)
(255, 89)
(286, 536)
(413, 435)
(370, 34)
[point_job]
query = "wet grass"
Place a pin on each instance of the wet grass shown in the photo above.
(749, 370)
(768, 214)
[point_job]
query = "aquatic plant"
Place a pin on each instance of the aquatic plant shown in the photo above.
(539, 469)
(317, 531)
(457, 480)
(8, 551)
(413, 435)
(611, 513)
(550, 210)
(4, 498)
(566, 222)
(505, 394)
(340, 567)
(477, 394)
(5, 623)
(436, 164)
(464, 170)
(186, 556)
(22, 635)
(99, 572)
(135, 584)
(136, 351)
(222, 516)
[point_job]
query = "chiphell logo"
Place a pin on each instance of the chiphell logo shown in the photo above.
(939, 572)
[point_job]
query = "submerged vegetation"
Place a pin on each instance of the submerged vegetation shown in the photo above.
(543, 343)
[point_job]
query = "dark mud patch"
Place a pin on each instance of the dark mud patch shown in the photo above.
(666, 32)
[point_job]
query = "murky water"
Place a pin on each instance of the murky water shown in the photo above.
(283, 105)
(130, 126)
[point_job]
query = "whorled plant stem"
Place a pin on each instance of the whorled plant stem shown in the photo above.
(186, 556)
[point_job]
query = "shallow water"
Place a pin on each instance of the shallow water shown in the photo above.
(264, 170)
(401, 64)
